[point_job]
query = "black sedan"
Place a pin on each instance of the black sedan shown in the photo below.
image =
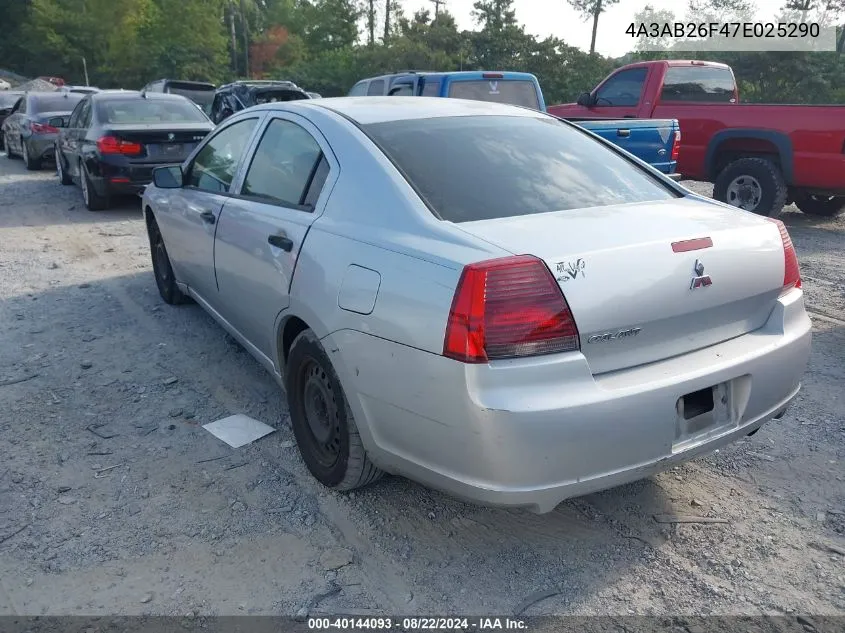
(115, 138)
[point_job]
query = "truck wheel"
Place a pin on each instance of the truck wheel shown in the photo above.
(752, 184)
(825, 206)
(322, 421)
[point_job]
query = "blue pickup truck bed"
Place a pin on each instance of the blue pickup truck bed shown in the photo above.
(650, 140)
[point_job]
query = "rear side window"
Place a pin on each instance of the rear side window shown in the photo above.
(283, 165)
(431, 88)
(376, 87)
(698, 83)
(504, 166)
(359, 89)
(513, 92)
(214, 167)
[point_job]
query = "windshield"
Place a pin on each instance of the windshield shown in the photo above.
(142, 110)
(514, 92)
(483, 167)
(60, 102)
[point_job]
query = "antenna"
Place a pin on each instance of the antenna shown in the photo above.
(437, 4)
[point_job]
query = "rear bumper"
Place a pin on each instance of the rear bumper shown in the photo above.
(533, 432)
(115, 175)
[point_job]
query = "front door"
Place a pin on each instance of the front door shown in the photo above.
(188, 228)
(261, 230)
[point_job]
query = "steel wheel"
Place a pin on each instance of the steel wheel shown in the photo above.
(321, 413)
(745, 192)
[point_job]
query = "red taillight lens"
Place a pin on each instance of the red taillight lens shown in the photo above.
(507, 308)
(43, 128)
(676, 145)
(791, 271)
(114, 145)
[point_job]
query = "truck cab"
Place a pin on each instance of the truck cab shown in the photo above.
(514, 88)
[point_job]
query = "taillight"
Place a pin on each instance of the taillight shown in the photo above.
(791, 272)
(676, 145)
(114, 145)
(508, 308)
(43, 128)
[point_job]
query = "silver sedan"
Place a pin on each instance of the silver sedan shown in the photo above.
(480, 297)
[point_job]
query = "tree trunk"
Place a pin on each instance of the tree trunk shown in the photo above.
(371, 22)
(387, 4)
(596, 13)
(840, 45)
(245, 26)
(234, 39)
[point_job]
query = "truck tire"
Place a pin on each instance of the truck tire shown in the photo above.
(824, 206)
(322, 421)
(753, 184)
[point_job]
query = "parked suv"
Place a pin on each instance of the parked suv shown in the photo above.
(238, 95)
(200, 92)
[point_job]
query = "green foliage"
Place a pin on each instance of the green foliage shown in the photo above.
(322, 45)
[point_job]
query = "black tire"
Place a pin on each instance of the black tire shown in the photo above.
(757, 178)
(61, 170)
(32, 164)
(162, 270)
(334, 455)
(824, 206)
(93, 200)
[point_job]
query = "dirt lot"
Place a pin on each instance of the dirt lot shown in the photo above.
(113, 499)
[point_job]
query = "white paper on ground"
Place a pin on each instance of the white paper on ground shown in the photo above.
(238, 430)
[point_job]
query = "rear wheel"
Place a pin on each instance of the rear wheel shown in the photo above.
(93, 200)
(825, 206)
(8, 147)
(325, 430)
(64, 178)
(162, 270)
(752, 184)
(31, 163)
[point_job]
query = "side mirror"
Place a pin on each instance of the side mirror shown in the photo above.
(57, 121)
(168, 177)
(585, 99)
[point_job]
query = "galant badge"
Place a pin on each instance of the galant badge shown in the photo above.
(700, 280)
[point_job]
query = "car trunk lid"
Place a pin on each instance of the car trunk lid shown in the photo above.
(634, 298)
(168, 142)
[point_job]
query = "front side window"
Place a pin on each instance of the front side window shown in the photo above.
(402, 90)
(283, 165)
(431, 88)
(216, 163)
(698, 84)
(506, 166)
(622, 89)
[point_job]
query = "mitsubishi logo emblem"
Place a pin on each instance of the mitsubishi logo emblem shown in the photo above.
(700, 280)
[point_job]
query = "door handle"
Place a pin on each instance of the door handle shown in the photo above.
(208, 216)
(281, 241)
(623, 133)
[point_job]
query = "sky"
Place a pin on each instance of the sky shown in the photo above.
(556, 17)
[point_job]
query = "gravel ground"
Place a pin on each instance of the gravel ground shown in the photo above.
(113, 500)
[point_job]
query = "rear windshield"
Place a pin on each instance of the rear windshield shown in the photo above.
(143, 110)
(272, 96)
(64, 102)
(484, 167)
(8, 100)
(198, 96)
(514, 92)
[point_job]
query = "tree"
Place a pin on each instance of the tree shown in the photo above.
(592, 9)
(502, 41)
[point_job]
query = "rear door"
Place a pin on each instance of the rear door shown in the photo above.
(261, 230)
(189, 222)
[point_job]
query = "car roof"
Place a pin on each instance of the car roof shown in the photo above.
(457, 74)
(134, 94)
(367, 110)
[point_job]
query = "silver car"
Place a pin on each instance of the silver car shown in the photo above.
(480, 297)
(32, 126)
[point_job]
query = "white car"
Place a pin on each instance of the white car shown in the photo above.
(5, 85)
(481, 297)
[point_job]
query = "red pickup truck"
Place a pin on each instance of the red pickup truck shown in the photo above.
(758, 156)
